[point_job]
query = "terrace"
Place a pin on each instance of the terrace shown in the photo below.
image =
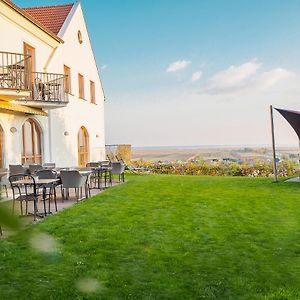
(35, 192)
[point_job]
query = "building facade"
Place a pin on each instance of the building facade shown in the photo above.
(51, 96)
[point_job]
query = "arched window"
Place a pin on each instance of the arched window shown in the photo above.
(83, 147)
(1, 147)
(31, 142)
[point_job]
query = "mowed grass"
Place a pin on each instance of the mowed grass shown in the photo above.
(165, 237)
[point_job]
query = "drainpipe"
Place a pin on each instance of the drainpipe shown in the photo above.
(49, 110)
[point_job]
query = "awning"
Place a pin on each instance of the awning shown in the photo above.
(22, 108)
(293, 117)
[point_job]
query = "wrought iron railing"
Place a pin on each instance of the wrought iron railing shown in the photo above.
(15, 74)
(13, 71)
(49, 87)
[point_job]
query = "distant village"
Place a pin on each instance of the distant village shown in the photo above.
(243, 155)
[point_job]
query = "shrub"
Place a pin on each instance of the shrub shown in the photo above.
(258, 169)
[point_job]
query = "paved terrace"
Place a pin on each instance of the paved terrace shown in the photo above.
(61, 205)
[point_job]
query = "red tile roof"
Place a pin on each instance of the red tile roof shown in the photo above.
(52, 17)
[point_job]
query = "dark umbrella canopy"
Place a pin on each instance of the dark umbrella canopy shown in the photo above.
(293, 117)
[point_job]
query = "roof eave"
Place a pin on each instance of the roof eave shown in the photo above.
(32, 20)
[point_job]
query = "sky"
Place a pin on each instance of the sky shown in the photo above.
(195, 72)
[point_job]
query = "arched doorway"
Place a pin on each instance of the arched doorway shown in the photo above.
(31, 142)
(83, 147)
(1, 147)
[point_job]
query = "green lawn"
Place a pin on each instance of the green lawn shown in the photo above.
(165, 237)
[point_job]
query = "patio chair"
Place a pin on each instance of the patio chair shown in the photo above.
(49, 174)
(104, 163)
(117, 168)
(93, 165)
(4, 183)
(33, 169)
(49, 166)
(24, 193)
(17, 169)
(74, 180)
(96, 175)
(105, 170)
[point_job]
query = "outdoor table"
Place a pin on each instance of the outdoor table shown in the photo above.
(39, 183)
(81, 172)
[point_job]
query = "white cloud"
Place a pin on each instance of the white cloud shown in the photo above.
(244, 78)
(196, 76)
(103, 67)
(233, 76)
(178, 65)
(272, 77)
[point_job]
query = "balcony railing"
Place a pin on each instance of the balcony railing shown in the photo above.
(17, 82)
(13, 74)
(49, 87)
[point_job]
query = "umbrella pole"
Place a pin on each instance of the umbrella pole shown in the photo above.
(273, 145)
(299, 160)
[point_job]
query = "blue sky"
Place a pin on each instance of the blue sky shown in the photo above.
(191, 72)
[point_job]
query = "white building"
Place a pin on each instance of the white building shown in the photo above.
(51, 97)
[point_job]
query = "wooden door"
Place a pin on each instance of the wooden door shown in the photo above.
(29, 65)
(83, 147)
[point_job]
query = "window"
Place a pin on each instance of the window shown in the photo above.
(32, 142)
(92, 92)
(83, 147)
(79, 35)
(1, 147)
(81, 86)
(67, 73)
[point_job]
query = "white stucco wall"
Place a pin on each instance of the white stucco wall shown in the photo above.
(79, 58)
(57, 147)
(13, 37)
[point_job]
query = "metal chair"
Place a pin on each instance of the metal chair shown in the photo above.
(93, 165)
(96, 175)
(49, 174)
(49, 166)
(74, 180)
(26, 193)
(117, 168)
(3, 181)
(33, 169)
(17, 169)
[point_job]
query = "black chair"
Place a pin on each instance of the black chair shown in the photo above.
(3, 182)
(17, 169)
(49, 189)
(105, 171)
(33, 169)
(96, 176)
(49, 166)
(24, 193)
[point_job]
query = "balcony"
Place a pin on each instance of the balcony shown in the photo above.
(14, 83)
(47, 91)
(37, 89)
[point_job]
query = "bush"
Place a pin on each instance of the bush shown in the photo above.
(258, 169)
